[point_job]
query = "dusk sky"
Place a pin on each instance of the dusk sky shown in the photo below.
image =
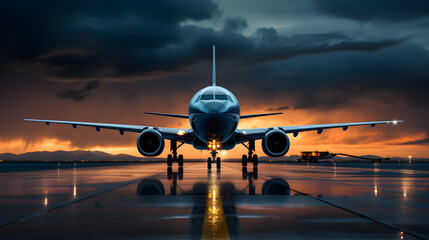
(327, 61)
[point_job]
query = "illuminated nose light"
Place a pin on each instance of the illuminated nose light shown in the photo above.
(213, 145)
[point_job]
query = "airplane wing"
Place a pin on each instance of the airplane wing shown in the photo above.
(183, 135)
(259, 115)
(258, 133)
(169, 115)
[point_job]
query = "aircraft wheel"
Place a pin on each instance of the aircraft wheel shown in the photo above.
(209, 162)
(244, 161)
(180, 160)
(218, 162)
(255, 160)
(170, 160)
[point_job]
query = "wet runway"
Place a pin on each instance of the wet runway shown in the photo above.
(275, 201)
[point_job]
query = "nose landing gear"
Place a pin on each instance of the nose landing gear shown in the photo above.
(209, 160)
(250, 157)
(213, 146)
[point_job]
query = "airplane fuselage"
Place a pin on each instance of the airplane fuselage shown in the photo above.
(214, 113)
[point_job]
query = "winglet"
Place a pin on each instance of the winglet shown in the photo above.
(214, 68)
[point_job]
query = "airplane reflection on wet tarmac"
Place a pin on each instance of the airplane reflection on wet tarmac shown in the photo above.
(216, 217)
(310, 201)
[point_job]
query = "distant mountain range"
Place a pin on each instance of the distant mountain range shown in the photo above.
(68, 155)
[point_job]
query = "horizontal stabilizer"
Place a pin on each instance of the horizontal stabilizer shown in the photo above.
(169, 115)
(258, 115)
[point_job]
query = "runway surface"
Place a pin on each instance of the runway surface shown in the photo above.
(275, 201)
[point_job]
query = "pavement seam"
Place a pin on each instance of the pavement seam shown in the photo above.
(360, 214)
(64, 204)
(354, 212)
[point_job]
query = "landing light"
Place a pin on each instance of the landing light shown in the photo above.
(395, 122)
(213, 145)
(181, 133)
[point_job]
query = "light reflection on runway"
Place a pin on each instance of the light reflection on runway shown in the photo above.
(272, 201)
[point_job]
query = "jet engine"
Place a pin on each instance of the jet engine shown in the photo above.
(150, 143)
(275, 143)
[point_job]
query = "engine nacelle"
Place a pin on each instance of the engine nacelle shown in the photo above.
(275, 143)
(150, 143)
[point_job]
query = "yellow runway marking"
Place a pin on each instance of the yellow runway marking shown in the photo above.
(214, 219)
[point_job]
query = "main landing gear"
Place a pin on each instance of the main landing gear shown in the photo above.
(173, 157)
(209, 160)
(250, 157)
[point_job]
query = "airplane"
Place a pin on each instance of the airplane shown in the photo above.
(214, 114)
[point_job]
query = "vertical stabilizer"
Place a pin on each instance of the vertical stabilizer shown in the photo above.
(214, 68)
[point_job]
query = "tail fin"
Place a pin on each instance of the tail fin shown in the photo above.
(214, 68)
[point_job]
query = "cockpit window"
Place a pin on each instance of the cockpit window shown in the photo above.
(230, 99)
(206, 97)
(221, 97)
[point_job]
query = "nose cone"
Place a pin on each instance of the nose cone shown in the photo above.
(214, 107)
(214, 126)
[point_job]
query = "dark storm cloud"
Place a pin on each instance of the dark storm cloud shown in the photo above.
(273, 46)
(378, 10)
(120, 37)
(79, 95)
(235, 24)
(395, 76)
(278, 108)
(115, 41)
